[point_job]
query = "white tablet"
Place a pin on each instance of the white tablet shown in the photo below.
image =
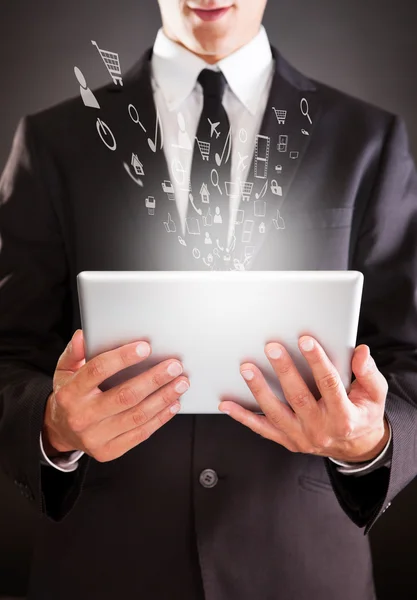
(214, 321)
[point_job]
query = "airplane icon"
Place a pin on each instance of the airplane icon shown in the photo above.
(214, 129)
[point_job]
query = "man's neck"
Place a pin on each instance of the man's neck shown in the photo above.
(210, 59)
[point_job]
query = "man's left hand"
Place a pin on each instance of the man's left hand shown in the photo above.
(347, 427)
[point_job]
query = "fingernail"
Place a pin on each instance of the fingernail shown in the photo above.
(307, 344)
(274, 352)
(175, 408)
(182, 386)
(175, 369)
(248, 375)
(142, 349)
(223, 410)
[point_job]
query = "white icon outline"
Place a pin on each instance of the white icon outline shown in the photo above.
(247, 231)
(243, 135)
(168, 188)
(189, 222)
(216, 185)
(87, 95)
(275, 188)
(137, 120)
(102, 125)
(259, 208)
(219, 159)
(263, 191)
(305, 109)
(232, 189)
(137, 165)
(158, 125)
(238, 212)
(168, 224)
(205, 194)
(204, 148)
(282, 143)
(263, 142)
(137, 180)
(112, 62)
(176, 168)
(242, 165)
(281, 115)
(191, 199)
(184, 141)
(246, 190)
(279, 222)
(150, 204)
(214, 129)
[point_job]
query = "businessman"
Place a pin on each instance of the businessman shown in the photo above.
(135, 501)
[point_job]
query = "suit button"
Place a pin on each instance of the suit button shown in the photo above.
(208, 478)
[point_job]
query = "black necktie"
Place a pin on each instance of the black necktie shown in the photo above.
(208, 209)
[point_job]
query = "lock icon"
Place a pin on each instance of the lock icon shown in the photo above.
(275, 188)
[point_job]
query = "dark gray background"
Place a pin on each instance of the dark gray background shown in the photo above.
(367, 48)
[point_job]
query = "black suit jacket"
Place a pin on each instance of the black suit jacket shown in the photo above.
(277, 524)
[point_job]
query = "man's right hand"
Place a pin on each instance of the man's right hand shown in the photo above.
(105, 425)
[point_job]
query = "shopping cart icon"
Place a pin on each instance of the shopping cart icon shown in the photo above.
(246, 190)
(204, 149)
(281, 115)
(111, 60)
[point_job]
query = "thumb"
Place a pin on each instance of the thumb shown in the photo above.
(368, 375)
(73, 356)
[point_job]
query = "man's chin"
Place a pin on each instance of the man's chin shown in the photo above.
(213, 44)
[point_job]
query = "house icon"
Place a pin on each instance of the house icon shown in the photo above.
(205, 194)
(137, 165)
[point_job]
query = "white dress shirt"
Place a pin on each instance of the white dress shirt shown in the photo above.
(248, 72)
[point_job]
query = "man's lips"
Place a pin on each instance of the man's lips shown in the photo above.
(211, 14)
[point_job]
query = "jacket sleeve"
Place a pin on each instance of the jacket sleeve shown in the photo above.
(35, 320)
(386, 253)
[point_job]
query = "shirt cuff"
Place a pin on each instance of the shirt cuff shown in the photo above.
(383, 459)
(66, 464)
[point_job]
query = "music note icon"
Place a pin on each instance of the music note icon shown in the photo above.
(262, 193)
(153, 143)
(219, 159)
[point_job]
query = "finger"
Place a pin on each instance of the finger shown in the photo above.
(126, 441)
(293, 385)
(96, 370)
(325, 375)
(278, 413)
(368, 374)
(70, 361)
(257, 423)
(143, 412)
(73, 356)
(135, 390)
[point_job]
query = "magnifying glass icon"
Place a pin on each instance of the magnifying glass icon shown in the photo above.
(215, 180)
(134, 115)
(216, 252)
(304, 109)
